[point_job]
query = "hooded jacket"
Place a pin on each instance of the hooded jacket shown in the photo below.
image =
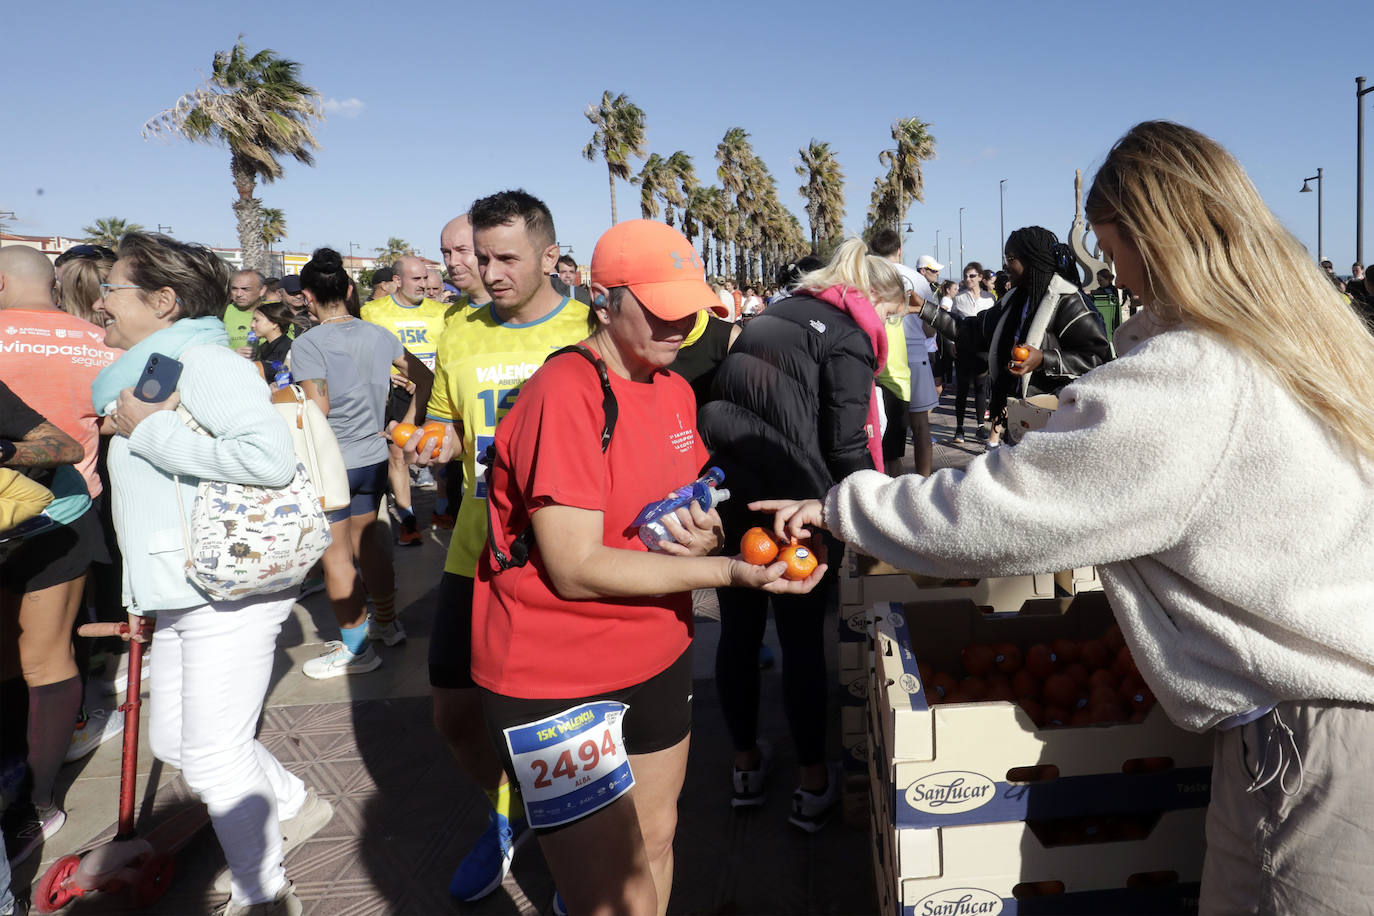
(1064, 326)
(790, 413)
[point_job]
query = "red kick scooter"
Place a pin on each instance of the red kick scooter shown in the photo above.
(141, 865)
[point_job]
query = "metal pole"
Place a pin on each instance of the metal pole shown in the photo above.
(1319, 215)
(961, 238)
(1359, 166)
(937, 245)
(1002, 214)
(949, 257)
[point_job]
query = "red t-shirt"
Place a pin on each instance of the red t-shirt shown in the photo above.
(526, 640)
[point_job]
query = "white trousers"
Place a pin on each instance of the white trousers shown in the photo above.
(213, 667)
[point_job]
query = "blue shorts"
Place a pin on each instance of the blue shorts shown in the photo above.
(366, 486)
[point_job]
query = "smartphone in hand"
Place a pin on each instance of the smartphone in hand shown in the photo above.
(158, 379)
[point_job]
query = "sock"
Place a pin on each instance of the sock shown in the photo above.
(441, 505)
(354, 638)
(405, 512)
(52, 716)
(506, 802)
(385, 608)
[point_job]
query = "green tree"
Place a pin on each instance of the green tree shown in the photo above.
(904, 182)
(394, 250)
(739, 170)
(618, 137)
(704, 213)
(108, 230)
(823, 191)
(273, 225)
(651, 180)
(258, 107)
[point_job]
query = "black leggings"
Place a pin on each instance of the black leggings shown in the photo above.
(970, 377)
(800, 623)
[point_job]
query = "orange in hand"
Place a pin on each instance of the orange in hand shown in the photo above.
(432, 435)
(801, 562)
(758, 547)
(1020, 353)
(402, 432)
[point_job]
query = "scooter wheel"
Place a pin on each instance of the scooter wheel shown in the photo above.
(50, 896)
(154, 877)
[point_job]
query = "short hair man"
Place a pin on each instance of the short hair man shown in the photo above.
(915, 379)
(481, 367)
(568, 277)
(417, 321)
(460, 257)
(434, 285)
(295, 299)
(383, 283)
(246, 289)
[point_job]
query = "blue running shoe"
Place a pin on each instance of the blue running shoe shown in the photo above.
(486, 865)
(559, 907)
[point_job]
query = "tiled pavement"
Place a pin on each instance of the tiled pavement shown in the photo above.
(404, 816)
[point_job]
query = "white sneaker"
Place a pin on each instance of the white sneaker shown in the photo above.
(337, 661)
(101, 725)
(748, 784)
(810, 810)
(314, 814)
(392, 634)
(285, 904)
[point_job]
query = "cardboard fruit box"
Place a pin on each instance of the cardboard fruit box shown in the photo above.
(879, 582)
(972, 763)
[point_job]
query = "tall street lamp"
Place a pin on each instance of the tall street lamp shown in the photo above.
(961, 235)
(1359, 166)
(949, 257)
(1002, 213)
(1307, 190)
(937, 245)
(166, 230)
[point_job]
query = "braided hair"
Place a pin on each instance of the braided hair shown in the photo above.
(1042, 255)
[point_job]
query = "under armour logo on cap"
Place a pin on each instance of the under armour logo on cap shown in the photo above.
(679, 262)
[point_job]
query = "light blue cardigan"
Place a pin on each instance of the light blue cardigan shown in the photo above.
(251, 444)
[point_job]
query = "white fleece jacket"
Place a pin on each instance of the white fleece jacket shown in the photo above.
(1233, 533)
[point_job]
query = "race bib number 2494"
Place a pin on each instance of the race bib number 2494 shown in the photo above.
(572, 763)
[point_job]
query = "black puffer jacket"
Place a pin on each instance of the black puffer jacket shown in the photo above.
(790, 403)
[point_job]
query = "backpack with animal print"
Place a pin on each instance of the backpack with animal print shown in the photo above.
(246, 540)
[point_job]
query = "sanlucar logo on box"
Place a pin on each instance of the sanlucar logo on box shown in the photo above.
(959, 901)
(950, 792)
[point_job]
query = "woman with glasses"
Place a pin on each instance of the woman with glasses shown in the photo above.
(50, 360)
(214, 658)
(970, 360)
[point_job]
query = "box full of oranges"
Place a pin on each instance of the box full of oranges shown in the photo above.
(979, 718)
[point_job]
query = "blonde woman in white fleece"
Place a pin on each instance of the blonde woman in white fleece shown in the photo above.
(1240, 560)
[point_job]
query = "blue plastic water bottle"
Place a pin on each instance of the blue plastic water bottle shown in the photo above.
(253, 340)
(283, 375)
(703, 490)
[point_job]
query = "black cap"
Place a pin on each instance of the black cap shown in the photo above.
(383, 275)
(291, 283)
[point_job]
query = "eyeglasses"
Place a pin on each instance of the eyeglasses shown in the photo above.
(973, 276)
(107, 288)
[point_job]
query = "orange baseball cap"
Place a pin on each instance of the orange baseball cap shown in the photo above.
(659, 266)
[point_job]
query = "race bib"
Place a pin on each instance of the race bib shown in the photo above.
(571, 763)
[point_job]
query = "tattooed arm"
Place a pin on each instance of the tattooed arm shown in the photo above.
(317, 390)
(45, 446)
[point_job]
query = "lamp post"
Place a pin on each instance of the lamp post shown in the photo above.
(949, 257)
(1306, 190)
(1359, 166)
(1002, 213)
(165, 230)
(937, 245)
(961, 236)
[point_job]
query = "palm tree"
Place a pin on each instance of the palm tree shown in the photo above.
(618, 137)
(258, 107)
(824, 191)
(682, 178)
(651, 181)
(738, 169)
(108, 230)
(395, 250)
(273, 225)
(705, 209)
(915, 145)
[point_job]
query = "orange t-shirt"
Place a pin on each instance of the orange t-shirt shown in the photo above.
(49, 359)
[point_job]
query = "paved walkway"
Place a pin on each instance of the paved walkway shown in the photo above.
(404, 816)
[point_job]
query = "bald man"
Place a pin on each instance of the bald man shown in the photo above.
(417, 321)
(246, 289)
(455, 246)
(434, 285)
(26, 274)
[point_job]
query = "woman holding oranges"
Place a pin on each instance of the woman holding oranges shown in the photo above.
(795, 412)
(1240, 559)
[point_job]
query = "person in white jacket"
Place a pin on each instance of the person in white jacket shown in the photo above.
(1240, 560)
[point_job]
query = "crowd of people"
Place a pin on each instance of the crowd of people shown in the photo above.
(560, 657)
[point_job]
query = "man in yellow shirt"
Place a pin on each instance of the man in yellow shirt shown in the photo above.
(486, 354)
(417, 321)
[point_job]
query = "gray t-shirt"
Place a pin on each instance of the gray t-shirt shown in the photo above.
(354, 358)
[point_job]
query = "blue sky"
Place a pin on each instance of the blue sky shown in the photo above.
(441, 103)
